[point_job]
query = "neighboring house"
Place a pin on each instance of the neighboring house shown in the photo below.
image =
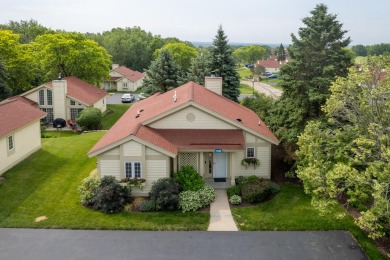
(271, 64)
(65, 98)
(20, 131)
(189, 125)
(123, 79)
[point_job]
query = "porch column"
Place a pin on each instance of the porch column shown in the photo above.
(201, 164)
(232, 168)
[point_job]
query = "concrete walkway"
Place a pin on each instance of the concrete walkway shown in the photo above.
(221, 218)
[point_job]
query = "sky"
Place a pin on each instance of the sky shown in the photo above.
(249, 21)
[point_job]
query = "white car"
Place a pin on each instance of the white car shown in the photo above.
(142, 96)
(127, 98)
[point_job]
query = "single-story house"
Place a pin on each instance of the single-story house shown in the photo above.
(191, 125)
(123, 79)
(271, 64)
(20, 131)
(65, 98)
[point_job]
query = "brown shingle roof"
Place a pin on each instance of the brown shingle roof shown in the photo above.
(129, 124)
(15, 114)
(82, 91)
(132, 75)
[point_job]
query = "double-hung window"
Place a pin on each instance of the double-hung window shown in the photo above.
(133, 170)
(10, 143)
(250, 152)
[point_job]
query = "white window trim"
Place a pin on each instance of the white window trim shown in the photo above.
(12, 150)
(132, 174)
(254, 152)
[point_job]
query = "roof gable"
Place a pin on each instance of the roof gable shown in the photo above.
(132, 75)
(82, 91)
(15, 114)
(149, 110)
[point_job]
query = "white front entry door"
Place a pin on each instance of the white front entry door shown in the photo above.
(220, 165)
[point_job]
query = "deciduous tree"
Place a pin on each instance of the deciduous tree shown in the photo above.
(223, 64)
(349, 153)
(28, 30)
(5, 91)
(181, 53)
(71, 54)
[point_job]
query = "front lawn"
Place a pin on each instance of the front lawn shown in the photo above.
(245, 89)
(290, 209)
(244, 72)
(113, 113)
(46, 185)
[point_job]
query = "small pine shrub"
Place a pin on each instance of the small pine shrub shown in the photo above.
(256, 190)
(235, 200)
(165, 194)
(189, 179)
(190, 201)
(110, 196)
(87, 191)
(147, 206)
(207, 195)
(233, 190)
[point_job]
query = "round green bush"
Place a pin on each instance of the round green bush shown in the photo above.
(233, 190)
(207, 195)
(87, 191)
(165, 194)
(235, 200)
(190, 201)
(89, 118)
(189, 179)
(110, 196)
(256, 190)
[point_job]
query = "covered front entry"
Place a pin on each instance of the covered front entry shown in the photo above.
(220, 165)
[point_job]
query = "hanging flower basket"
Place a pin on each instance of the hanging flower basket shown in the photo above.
(250, 161)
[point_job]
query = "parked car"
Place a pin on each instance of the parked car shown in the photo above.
(249, 66)
(127, 98)
(273, 76)
(267, 73)
(142, 96)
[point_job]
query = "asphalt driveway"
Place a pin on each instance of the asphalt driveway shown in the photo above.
(98, 244)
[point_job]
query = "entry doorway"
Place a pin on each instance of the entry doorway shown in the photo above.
(220, 165)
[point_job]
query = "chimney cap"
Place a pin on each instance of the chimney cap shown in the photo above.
(59, 76)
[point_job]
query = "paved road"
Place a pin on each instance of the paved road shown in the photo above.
(265, 88)
(116, 98)
(96, 244)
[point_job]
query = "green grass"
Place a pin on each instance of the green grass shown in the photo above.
(244, 72)
(46, 184)
(113, 113)
(290, 209)
(245, 89)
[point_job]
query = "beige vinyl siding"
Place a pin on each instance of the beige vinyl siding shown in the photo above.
(115, 74)
(33, 96)
(110, 168)
(27, 140)
(150, 151)
(263, 154)
(154, 169)
(183, 120)
(249, 138)
(101, 104)
(132, 148)
(114, 151)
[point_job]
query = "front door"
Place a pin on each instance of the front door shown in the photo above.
(220, 165)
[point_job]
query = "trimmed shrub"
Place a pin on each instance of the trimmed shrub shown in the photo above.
(233, 190)
(235, 200)
(110, 196)
(189, 179)
(190, 201)
(89, 118)
(240, 180)
(194, 200)
(165, 194)
(147, 205)
(87, 191)
(256, 190)
(207, 195)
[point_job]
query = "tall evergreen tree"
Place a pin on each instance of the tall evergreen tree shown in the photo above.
(223, 64)
(281, 53)
(163, 74)
(318, 57)
(5, 91)
(200, 68)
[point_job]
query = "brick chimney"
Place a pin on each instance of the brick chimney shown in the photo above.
(214, 84)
